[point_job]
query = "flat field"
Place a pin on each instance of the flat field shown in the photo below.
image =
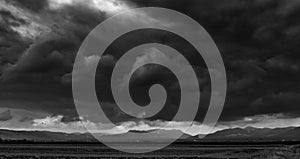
(93, 151)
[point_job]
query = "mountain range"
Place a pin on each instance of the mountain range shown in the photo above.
(159, 135)
(256, 134)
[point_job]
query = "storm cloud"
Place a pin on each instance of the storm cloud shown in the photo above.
(6, 115)
(258, 40)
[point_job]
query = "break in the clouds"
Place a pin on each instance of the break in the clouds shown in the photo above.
(258, 40)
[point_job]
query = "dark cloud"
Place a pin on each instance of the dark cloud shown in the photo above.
(11, 43)
(286, 102)
(32, 5)
(5, 116)
(283, 63)
(35, 73)
(258, 40)
(67, 119)
(25, 119)
(50, 57)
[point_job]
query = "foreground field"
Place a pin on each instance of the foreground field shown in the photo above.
(93, 151)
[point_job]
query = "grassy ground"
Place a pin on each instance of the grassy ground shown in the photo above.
(93, 151)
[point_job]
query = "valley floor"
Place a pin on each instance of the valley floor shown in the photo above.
(93, 151)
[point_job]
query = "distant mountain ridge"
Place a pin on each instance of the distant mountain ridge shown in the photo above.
(159, 135)
(251, 133)
(46, 136)
(156, 135)
(133, 135)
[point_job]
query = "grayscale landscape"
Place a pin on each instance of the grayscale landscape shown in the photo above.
(208, 79)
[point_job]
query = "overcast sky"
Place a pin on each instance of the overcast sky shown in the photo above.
(258, 40)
